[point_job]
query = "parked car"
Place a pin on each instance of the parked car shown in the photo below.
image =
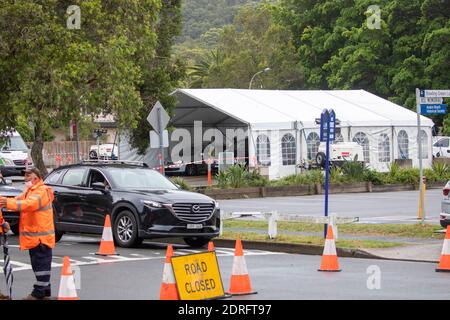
(14, 152)
(190, 169)
(441, 147)
(445, 206)
(340, 152)
(7, 190)
(142, 204)
(104, 151)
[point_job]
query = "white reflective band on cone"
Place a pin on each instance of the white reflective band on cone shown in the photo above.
(239, 266)
(107, 234)
(446, 247)
(67, 287)
(330, 248)
(168, 276)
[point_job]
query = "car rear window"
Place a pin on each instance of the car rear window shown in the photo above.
(74, 177)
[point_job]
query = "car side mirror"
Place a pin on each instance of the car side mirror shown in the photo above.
(98, 186)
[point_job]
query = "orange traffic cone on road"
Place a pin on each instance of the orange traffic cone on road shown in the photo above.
(211, 246)
(444, 263)
(107, 243)
(67, 289)
(168, 289)
(329, 258)
(240, 279)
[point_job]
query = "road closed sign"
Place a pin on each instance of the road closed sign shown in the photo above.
(198, 276)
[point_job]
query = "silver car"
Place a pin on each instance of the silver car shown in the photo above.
(445, 206)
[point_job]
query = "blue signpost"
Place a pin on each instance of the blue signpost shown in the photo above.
(327, 134)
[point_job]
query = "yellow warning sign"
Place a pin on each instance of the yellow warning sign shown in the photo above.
(198, 276)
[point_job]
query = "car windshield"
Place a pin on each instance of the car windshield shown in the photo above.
(14, 143)
(139, 178)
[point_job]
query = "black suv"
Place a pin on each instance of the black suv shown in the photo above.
(142, 204)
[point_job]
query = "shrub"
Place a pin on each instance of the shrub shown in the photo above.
(375, 177)
(222, 181)
(441, 171)
(255, 179)
(354, 170)
(407, 175)
(235, 176)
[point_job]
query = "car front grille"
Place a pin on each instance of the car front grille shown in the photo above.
(186, 212)
(20, 162)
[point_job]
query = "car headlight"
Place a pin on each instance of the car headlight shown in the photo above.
(152, 204)
(8, 162)
(216, 205)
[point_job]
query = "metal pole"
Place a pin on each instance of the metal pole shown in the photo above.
(326, 175)
(77, 141)
(161, 142)
(251, 81)
(419, 141)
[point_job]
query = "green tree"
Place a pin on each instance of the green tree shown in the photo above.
(162, 74)
(50, 73)
(253, 42)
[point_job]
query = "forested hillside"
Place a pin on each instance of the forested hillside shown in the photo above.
(202, 15)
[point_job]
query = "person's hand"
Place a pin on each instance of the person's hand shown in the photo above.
(6, 227)
(2, 202)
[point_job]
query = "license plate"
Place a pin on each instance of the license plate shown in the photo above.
(194, 226)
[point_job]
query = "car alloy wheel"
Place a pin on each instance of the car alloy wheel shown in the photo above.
(125, 229)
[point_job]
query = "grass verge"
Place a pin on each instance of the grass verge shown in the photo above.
(309, 240)
(382, 230)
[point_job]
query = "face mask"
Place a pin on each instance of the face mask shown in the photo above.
(28, 184)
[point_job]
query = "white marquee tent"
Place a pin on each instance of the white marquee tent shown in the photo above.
(281, 125)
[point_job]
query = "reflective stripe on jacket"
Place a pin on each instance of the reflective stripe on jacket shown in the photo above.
(36, 216)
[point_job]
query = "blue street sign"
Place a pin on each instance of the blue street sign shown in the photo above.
(433, 109)
(328, 117)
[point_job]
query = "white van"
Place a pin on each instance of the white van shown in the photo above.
(14, 152)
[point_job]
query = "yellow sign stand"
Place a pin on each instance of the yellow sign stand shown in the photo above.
(424, 186)
(198, 276)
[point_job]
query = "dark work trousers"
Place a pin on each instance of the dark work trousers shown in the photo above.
(41, 261)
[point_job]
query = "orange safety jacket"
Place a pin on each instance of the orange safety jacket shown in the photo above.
(36, 216)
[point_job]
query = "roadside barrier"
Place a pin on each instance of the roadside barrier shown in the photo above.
(444, 263)
(240, 280)
(67, 289)
(168, 290)
(107, 243)
(273, 217)
(330, 261)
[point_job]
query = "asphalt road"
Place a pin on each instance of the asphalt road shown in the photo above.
(136, 274)
(385, 207)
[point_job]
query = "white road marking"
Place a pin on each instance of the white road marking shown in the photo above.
(220, 252)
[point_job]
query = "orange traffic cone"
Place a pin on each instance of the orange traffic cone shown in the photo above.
(107, 244)
(444, 263)
(168, 289)
(329, 259)
(67, 289)
(240, 279)
(211, 246)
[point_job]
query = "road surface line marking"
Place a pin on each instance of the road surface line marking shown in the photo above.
(228, 253)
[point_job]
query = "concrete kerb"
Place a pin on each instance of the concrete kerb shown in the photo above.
(294, 248)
